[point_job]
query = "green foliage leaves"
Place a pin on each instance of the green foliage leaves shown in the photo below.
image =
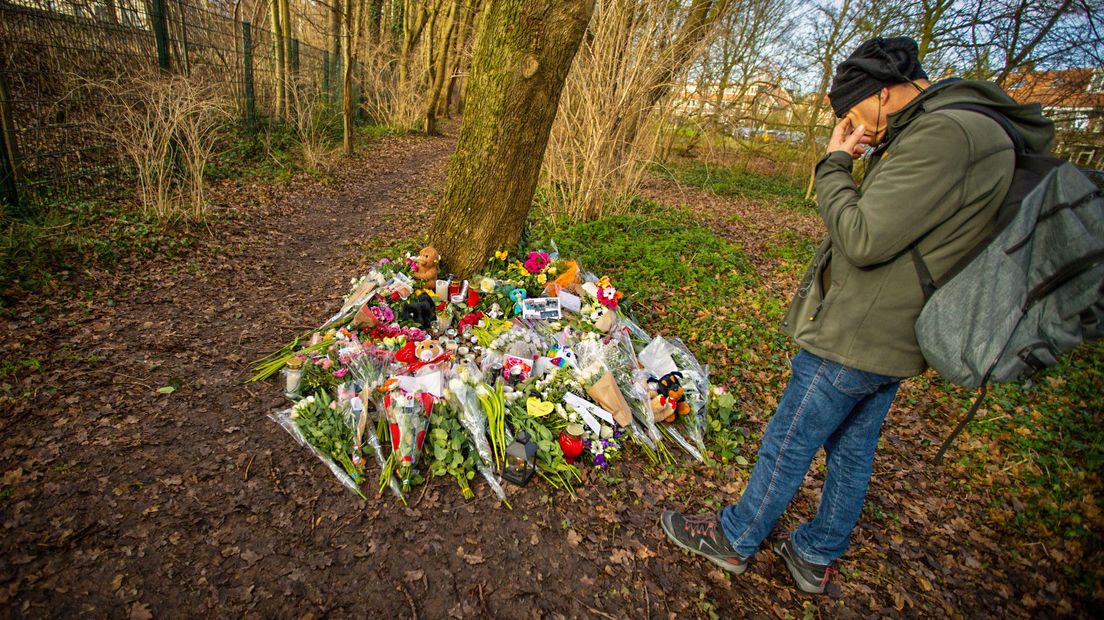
(775, 191)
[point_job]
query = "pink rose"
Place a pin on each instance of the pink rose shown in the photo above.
(536, 262)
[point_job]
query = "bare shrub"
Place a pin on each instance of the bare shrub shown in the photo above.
(167, 128)
(605, 131)
(386, 97)
(315, 120)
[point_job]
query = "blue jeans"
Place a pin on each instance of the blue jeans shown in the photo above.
(825, 404)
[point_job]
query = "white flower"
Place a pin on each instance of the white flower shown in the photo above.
(486, 285)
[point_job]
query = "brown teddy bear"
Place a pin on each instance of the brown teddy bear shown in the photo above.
(425, 268)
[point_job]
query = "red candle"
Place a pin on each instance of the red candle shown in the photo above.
(572, 446)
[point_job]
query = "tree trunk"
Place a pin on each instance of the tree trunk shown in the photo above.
(351, 34)
(278, 48)
(414, 22)
(444, 97)
(522, 55)
(337, 7)
(438, 68)
(285, 43)
(375, 17)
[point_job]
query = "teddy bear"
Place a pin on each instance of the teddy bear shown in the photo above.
(428, 350)
(667, 397)
(425, 267)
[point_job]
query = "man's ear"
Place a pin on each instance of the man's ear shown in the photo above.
(883, 95)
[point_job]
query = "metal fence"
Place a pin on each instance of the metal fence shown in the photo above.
(50, 134)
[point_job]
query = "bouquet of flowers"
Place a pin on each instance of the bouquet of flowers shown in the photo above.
(407, 421)
(678, 388)
(325, 429)
(370, 366)
(463, 397)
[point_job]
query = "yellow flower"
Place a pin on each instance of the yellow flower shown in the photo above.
(604, 282)
(541, 279)
(552, 271)
(502, 255)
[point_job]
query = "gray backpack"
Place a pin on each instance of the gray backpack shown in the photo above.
(1031, 291)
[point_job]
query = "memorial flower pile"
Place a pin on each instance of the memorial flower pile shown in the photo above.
(530, 369)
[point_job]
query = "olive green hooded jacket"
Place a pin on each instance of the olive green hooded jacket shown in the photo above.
(938, 179)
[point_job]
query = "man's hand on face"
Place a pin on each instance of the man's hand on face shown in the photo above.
(847, 139)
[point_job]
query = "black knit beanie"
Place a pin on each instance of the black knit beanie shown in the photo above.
(874, 64)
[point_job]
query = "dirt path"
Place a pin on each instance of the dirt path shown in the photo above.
(123, 502)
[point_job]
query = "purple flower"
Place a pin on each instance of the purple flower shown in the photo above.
(600, 461)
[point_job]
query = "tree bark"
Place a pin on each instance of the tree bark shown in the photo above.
(438, 68)
(522, 55)
(375, 17)
(285, 42)
(351, 33)
(415, 18)
(337, 8)
(278, 47)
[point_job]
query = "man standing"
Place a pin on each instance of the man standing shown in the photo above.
(934, 182)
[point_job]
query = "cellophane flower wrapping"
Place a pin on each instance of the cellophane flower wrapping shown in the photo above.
(408, 421)
(695, 385)
(370, 366)
(462, 396)
(326, 432)
(595, 358)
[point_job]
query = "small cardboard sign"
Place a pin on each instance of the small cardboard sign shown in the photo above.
(541, 308)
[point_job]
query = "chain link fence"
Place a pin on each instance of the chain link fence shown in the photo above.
(51, 134)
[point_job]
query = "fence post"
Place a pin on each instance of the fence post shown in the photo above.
(184, 37)
(8, 152)
(326, 74)
(247, 71)
(160, 33)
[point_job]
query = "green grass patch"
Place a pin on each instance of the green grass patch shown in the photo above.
(664, 261)
(771, 190)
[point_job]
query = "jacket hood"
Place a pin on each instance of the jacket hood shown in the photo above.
(1037, 130)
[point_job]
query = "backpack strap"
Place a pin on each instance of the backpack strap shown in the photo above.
(1000, 119)
(927, 282)
(961, 425)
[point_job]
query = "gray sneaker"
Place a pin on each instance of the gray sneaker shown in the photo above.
(702, 535)
(809, 577)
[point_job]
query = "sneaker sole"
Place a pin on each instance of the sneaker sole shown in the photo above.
(735, 569)
(802, 584)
